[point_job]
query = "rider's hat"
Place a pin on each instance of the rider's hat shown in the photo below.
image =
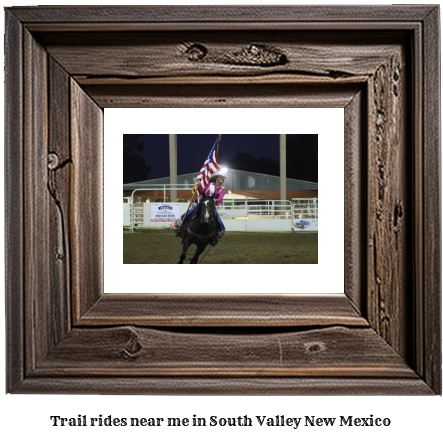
(221, 172)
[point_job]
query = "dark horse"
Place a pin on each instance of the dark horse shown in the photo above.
(201, 230)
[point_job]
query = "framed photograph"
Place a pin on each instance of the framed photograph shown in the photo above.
(65, 65)
(255, 206)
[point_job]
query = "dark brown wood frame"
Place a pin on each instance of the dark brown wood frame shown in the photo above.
(64, 65)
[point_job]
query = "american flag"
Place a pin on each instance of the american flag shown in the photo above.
(210, 166)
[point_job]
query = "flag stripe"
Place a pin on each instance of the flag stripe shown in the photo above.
(210, 166)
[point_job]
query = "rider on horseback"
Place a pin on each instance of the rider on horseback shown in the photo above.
(215, 187)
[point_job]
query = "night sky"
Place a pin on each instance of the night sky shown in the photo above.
(192, 150)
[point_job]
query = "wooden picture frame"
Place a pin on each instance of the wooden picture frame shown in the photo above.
(65, 64)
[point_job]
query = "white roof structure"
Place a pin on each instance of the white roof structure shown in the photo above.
(238, 180)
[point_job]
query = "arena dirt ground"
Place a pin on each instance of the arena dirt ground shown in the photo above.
(162, 247)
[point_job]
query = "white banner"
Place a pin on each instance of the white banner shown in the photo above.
(305, 224)
(165, 212)
(126, 214)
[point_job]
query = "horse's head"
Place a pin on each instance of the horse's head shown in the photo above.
(207, 209)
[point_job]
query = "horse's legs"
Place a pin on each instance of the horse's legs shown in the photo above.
(183, 254)
(200, 248)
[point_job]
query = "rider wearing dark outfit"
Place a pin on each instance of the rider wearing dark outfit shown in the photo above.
(215, 187)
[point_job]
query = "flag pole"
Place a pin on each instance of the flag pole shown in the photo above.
(194, 191)
(218, 142)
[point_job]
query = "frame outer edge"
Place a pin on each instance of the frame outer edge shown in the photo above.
(432, 199)
(14, 283)
(228, 386)
(221, 13)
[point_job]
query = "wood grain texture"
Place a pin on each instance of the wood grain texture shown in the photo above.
(205, 310)
(288, 386)
(37, 256)
(431, 321)
(170, 54)
(355, 220)
(129, 351)
(385, 340)
(417, 101)
(86, 197)
(224, 14)
(14, 238)
(228, 96)
(59, 165)
(388, 204)
(228, 386)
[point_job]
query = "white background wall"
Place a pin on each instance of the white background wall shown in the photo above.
(120, 278)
